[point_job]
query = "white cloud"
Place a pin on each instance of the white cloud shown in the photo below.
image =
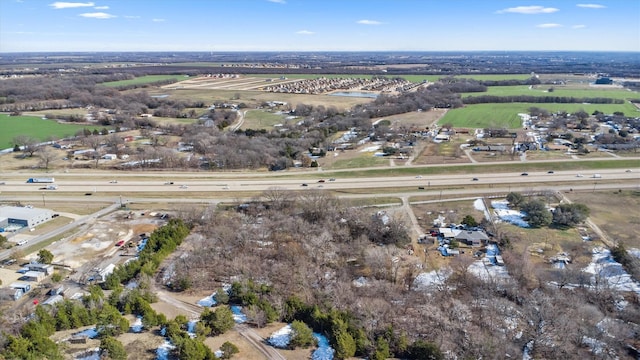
(305, 32)
(369, 22)
(528, 10)
(97, 15)
(548, 26)
(591, 6)
(579, 26)
(277, 1)
(157, 20)
(68, 5)
(101, 7)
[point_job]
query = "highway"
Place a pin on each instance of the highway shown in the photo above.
(189, 183)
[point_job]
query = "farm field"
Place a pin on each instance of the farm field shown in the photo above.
(144, 80)
(542, 90)
(13, 126)
(486, 115)
(495, 77)
(505, 114)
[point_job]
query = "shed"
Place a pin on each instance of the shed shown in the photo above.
(25, 287)
(36, 276)
(45, 268)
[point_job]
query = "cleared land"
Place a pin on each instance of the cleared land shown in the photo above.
(144, 80)
(36, 127)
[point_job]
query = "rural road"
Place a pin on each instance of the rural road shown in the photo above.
(244, 330)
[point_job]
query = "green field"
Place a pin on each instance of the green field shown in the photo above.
(482, 116)
(495, 77)
(144, 80)
(506, 114)
(257, 119)
(542, 90)
(13, 126)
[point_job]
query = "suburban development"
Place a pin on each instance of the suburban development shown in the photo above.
(320, 206)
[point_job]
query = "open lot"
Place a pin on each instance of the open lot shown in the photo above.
(35, 127)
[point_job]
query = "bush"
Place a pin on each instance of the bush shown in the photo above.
(301, 335)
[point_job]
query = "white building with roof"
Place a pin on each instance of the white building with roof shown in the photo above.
(24, 216)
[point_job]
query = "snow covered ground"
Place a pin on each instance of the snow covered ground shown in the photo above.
(502, 211)
(136, 327)
(606, 271)
(90, 333)
(238, 316)
(478, 204)
(429, 280)
(280, 339)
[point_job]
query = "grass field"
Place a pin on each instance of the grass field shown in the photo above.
(505, 114)
(486, 115)
(257, 119)
(144, 80)
(495, 77)
(542, 90)
(13, 126)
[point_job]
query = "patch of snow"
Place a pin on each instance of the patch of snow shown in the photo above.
(371, 148)
(606, 271)
(280, 339)
(238, 316)
(478, 204)
(136, 327)
(163, 351)
(218, 353)
(360, 282)
(527, 349)
(634, 252)
(90, 333)
(90, 354)
(324, 351)
(209, 301)
(428, 280)
(486, 271)
(191, 328)
(502, 211)
(131, 285)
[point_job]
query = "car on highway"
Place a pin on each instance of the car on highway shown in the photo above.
(418, 176)
(332, 179)
(474, 179)
(550, 172)
(113, 182)
(184, 187)
(579, 175)
(524, 174)
(169, 183)
(2, 182)
(420, 187)
(304, 184)
(628, 170)
(321, 180)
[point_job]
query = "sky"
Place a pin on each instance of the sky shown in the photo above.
(319, 25)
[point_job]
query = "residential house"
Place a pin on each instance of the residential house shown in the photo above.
(472, 237)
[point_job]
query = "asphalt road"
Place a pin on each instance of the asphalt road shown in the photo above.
(91, 184)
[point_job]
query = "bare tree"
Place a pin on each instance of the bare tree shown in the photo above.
(27, 144)
(94, 142)
(47, 155)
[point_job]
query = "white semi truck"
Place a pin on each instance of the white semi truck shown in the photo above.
(45, 180)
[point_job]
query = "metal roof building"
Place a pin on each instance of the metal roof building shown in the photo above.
(25, 216)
